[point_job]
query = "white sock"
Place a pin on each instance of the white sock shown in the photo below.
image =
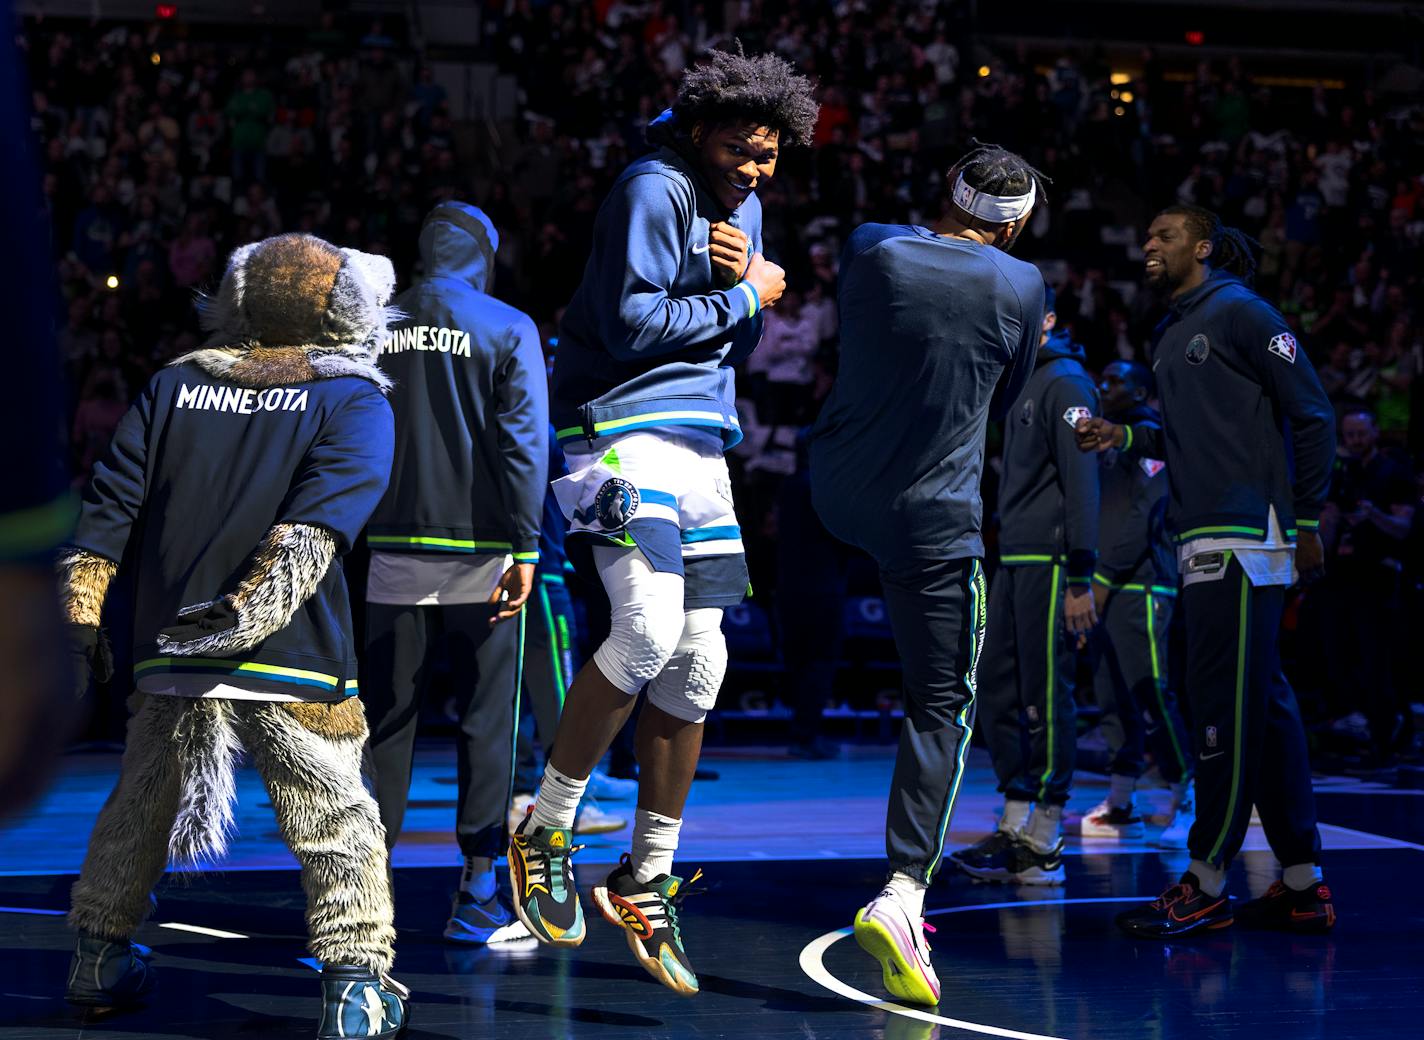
(557, 803)
(1045, 827)
(1120, 790)
(654, 842)
(478, 878)
(1182, 796)
(1015, 816)
(909, 892)
(1301, 876)
(1211, 879)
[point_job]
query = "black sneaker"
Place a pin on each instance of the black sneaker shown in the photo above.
(106, 974)
(356, 1001)
(1182, 909)
(543, 882)
(1008, 858)
(1310, 912)
(648, 914)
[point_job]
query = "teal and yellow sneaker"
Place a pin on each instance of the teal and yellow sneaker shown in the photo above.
(542, 878)
(648, 914)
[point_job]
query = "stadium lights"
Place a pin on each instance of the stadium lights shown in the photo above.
(1127, 97)
(1195, 37)
(112, 281)
(166, 11)
(1119, 111)
(155, 57)
(984, 72)
(1120, 78)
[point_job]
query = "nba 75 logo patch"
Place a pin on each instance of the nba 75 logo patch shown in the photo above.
(1283, 346)
(1073, 416)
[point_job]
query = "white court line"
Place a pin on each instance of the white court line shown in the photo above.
(812, 965)
(202, 931)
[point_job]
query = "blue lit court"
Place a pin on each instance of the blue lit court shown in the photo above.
(790, 850)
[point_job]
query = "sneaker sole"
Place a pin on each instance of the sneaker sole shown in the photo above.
(902, 979)
(536, 932)
(1132, 832)
(651, 965)
(466, 936)
(602, 827)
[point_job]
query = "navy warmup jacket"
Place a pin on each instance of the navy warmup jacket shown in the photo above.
(937, 334)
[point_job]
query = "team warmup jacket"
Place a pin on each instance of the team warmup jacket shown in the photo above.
(1048, 498)
(937, 335)
(199, 471)
(1134, 544)
(648, 339)
(1245, 425)
(471, 405)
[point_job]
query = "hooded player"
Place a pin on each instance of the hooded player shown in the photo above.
(234, 482)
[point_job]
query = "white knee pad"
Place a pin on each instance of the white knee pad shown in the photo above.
(647, 620)
(687, 686)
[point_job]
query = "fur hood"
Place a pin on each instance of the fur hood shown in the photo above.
(294, 308)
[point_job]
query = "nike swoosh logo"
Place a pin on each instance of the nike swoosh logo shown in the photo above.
(1174, 916)
(702, 249)
(1208, 758)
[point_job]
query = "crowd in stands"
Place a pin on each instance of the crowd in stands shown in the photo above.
(163, 152)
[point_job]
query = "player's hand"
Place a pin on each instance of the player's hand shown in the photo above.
(512, 592)
(1079, 613)
(1100, 597)
(1309, 556)
(729, 248)
(1098, 435)
(766, 278)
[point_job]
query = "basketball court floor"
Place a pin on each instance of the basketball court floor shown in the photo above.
(789, 850)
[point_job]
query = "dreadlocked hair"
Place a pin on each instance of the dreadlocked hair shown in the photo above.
(1232, 250)
(763, 89)
(997, 171)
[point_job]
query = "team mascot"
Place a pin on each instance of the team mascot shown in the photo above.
(232, 486)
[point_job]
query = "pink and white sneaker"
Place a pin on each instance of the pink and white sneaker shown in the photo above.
(885, 930)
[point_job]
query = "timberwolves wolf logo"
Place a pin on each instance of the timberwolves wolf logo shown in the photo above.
(615, 504)
(1026, 413)
(1197, 349)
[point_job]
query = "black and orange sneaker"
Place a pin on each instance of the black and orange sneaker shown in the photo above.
(542, 879)
(1309, 912)
(1182, 909)
(648, 914)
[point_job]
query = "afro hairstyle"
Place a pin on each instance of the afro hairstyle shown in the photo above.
(764, 89)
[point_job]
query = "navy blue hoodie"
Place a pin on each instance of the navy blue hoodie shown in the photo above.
(199, 471)
(648, 339)
(937, 334)
(1246, 424)
(471, 405)
(1048, 497)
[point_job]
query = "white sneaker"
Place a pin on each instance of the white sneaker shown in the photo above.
(593, 820)
(519, 808)
(886, 930)
(1174, 835)
(610, 788)
(1110, 823)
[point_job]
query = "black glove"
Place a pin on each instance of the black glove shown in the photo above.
(200, 622)
(91, 656)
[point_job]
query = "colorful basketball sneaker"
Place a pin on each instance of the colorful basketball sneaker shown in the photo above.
(106, 974)
(357, 1002)
(542, 878)
(1311, 911)
(885, 930)
(648, 914)
(1182, 909)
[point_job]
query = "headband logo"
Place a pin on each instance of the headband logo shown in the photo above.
(997, 209)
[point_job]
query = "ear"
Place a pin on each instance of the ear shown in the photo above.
(699, 132)
(1050, 321)
(1203, 251)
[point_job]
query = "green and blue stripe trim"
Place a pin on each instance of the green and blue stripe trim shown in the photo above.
(247, 669)
(453, 545)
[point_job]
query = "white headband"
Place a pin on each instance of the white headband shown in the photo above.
(996, 209)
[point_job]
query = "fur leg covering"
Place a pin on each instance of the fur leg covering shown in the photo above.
(332, 825)
(83, 581)
(129, 847)
(206, 746)
(286, 569)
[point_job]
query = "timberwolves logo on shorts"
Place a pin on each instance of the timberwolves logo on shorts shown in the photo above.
(1197, 349)
(616, 502)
